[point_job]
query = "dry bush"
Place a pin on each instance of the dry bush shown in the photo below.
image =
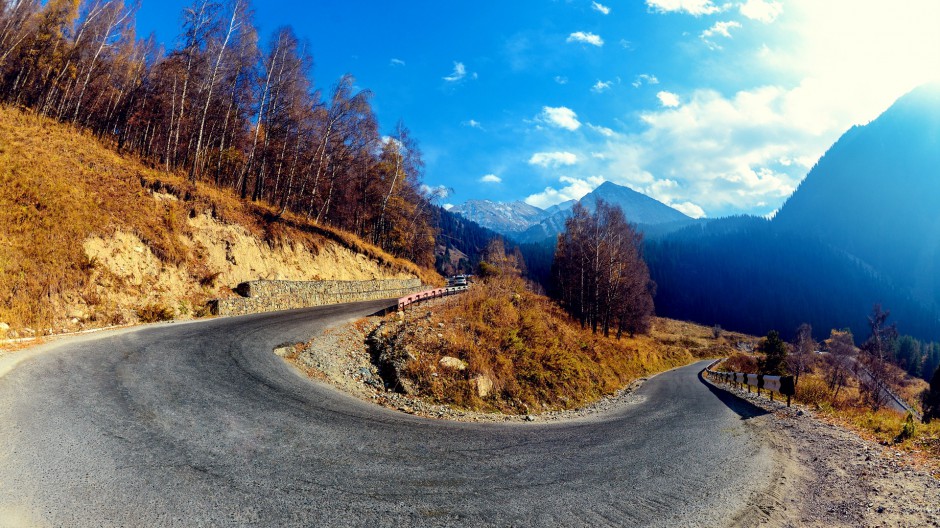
(738, 362)
(154, 312)
(813, 391)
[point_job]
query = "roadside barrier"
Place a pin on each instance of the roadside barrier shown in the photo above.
(780, 384)
(429, 294)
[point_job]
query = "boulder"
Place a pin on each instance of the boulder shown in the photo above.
(453, 363)
(483, 384)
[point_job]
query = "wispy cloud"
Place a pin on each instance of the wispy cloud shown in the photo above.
(601, 86)
(645, 78)
(668, 99)
(586, 38)
(459, 73)
(472, 123)
(396, 62)
(720, 29)
(761, 10)
(561, 117)
(602, 130)
(691, 7)
(600, 8)
(491, 178)
(561, 79)
(553, 159)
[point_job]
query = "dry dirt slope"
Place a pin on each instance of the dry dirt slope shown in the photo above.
(91, 238)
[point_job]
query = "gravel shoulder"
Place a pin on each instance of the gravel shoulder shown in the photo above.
(829, 476)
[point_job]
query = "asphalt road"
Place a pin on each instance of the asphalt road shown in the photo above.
(195, 424)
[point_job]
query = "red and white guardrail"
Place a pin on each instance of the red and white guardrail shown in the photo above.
(429, 294)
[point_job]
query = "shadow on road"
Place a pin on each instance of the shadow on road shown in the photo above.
(743, 408)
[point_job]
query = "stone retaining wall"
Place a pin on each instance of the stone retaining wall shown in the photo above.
(271, 296)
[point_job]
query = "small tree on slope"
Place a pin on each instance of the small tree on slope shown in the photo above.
(775, 352)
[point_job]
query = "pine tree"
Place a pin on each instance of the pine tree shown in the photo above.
(775, 355)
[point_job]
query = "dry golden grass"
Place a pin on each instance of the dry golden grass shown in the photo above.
(535, 355)
(848, 409)
(59, 186)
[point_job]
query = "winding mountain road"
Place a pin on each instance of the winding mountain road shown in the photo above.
(190, 424)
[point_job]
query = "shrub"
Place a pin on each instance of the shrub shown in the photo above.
(812, 391)
(154, 312)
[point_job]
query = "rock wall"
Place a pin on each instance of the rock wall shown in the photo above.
(271, 296)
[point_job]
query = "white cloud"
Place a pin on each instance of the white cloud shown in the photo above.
(691, 7)
(573, 189)
(601, 86)
(396, 62)
(553, 159)
(720, 29)
(472, 123)
(761, 10)
(460, 71)
(602, 130)
(491, 178)
(724, 154)
(586, 38)
(645, 78)
(561, 117)
(600, 8)
(668, 99)
(560, 79)
(448, 206)
(689, 208)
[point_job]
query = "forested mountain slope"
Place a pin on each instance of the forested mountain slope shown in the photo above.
(876, 195)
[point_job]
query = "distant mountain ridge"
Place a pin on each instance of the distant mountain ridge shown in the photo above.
(529, 224)
(507, 218)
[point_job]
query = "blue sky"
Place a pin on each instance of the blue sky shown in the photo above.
(715, 108)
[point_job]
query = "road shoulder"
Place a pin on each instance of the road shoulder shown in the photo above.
(829, 476)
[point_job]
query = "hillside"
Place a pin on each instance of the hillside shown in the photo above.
(90, 238)
(874, 194)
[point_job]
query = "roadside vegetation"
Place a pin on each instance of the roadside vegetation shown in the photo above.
(501, 347)
(834, 379)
